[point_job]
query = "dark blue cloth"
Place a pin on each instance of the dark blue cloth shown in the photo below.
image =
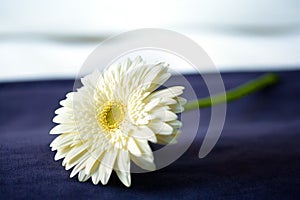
(257, 156)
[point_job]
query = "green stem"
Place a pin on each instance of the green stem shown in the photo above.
(234, 94)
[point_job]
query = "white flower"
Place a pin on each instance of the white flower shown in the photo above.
(109, 121)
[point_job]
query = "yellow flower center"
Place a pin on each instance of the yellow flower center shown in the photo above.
(111, 115)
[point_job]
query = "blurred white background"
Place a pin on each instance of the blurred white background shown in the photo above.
(51, 39)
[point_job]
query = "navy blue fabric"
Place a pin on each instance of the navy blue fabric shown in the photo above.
(257, 156)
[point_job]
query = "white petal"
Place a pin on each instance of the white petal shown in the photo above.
(82, 156)
(161, 128)
(91, 80)
(74, 154)
(168, 92)
(82, 177)
(125, 177)
(80, 166)
(145, 150)
(144, 132)
(122, 162)
(179, 107)
(64, 118)
(62, 152)
(167, 101)
(62, 140)
(106, 166)
(93, 163)
(153, 102)
(175, 124)
(133, 147)
(63, 110)
(145, 162)
(122, 167)
(62, 128)
(136, 61)
(104, 174)
(176, 108)
(181, 100)
(68, 102)
(164, 115)
(168, 139)
(96, 177)
(160, 80)
(142, 121)
(153, 73)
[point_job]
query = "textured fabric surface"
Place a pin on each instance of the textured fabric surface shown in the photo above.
(257, 156)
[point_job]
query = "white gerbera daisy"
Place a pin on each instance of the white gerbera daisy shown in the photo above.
(109, 121)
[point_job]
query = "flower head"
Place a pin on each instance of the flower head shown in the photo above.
(111, 119)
